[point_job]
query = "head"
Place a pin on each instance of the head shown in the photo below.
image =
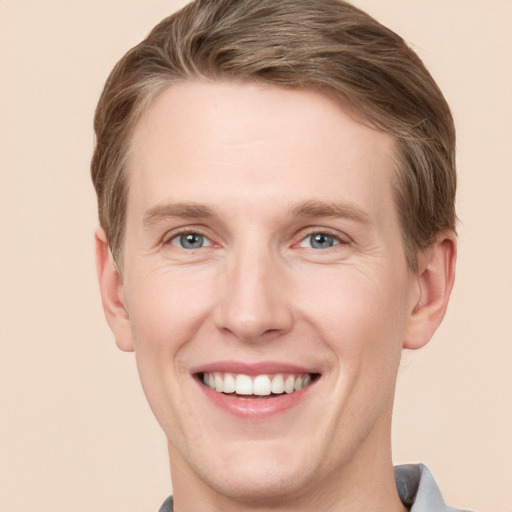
(330, 47)
(276, 183)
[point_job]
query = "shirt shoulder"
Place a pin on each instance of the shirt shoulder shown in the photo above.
(167, 505)
(419, 491)
(416, 487)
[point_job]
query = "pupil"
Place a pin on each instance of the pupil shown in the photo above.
(191, 241)
(321, 241)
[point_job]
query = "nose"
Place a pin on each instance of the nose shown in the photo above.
(254, 305)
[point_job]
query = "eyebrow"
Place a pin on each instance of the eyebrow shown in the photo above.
(344, 209)
(184, 210)
(309, 209)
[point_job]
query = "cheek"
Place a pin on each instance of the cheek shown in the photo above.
(164, 317)
(359, 315)
(166, 309)
(166, 312)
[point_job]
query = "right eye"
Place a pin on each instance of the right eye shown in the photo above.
(190, 241)
(319, 241)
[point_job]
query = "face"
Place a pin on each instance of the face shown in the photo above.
(265, 286)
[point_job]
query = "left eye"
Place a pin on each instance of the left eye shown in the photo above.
(319, 241)
(190, 241)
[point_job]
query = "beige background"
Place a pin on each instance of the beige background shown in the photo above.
(75, 431)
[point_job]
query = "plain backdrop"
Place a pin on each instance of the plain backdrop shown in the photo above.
(75, 431)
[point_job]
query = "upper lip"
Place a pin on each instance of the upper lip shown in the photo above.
(260, 368)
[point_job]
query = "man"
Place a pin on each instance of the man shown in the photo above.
(276, 186)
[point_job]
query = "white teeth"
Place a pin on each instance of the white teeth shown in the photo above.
(302, 382)
(229, 383)
(218, 381)
(289, 384)
(260, 385)
(243, 385)
(277, 386)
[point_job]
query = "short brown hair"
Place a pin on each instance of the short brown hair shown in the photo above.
(324, 45)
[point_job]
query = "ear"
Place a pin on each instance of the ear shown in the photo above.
(112, 293)
(434, 285)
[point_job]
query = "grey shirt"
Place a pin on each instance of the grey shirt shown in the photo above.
(416, 488)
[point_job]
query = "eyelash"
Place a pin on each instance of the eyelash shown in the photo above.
(338, 240)
(178, 234)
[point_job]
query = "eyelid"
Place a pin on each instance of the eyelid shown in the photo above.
(176, 239)
(340, 237)
(185, 230)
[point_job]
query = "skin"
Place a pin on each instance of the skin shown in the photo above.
(257, 291)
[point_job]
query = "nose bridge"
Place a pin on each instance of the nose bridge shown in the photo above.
(254, 302)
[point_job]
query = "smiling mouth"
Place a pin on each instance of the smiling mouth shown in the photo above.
(258, 386)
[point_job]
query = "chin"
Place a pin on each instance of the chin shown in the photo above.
(261, 474)
(260, 484)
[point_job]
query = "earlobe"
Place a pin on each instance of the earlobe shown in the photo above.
(112, 293)
(435, 282)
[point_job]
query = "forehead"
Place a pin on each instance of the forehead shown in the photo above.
(240, 144)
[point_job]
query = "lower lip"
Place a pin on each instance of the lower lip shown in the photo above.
(256, 408)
